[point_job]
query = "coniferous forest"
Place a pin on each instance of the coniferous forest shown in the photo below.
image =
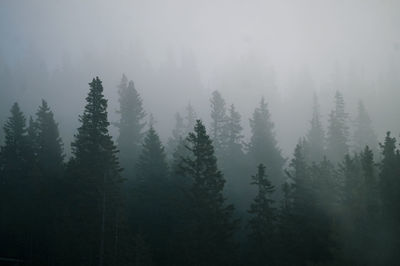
(204, 133)
(209, 199)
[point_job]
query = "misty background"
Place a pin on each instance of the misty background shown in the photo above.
(178, 52)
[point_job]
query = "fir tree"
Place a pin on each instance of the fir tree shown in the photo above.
(17, 187)
(209, 224)
(177, 134)
(338, 132)
(316, 135)
(152, 195)
(263, 147)
(218, 120)
(263, 220)
(364, 134)
(130, 126)
(190, 119)
(95, 178)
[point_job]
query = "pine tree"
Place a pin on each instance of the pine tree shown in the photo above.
(50, 147)
(17, 187)
(338, 132)
(190, 119)
(263, 147)
(364, 134)
(209, 226)
(315, 136)
(218, 120)
(130, 126)
(312, 229)
(177, 134)
(389, 178)
(95, 180)
(152, 195)
(263, 221)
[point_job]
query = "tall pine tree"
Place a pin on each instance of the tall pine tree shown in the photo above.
(209, 227)
(263, 147)
(338, 131)
(95, 180)
(315, 135)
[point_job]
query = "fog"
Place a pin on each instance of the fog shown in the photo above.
(178, 52)
(303, 170)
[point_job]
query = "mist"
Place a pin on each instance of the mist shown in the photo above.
(302, 57)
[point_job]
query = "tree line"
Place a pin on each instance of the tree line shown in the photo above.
(205, 198)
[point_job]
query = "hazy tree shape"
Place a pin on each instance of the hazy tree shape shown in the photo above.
(152, 196)
(338, 131)
(234, 136)
(311, 234)
(364, 134)
(95, 177)
(50, 147)
(190, 118)
(262, 221)
(315, 135)
(17, 186)
(210, 226)
(263, 147)
(177, 134)
(130, 125)
(218, 121)
(389, 177)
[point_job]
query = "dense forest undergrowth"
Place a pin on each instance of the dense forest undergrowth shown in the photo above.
(206, 197)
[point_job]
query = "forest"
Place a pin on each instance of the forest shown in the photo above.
(205, 197)
(204, 133)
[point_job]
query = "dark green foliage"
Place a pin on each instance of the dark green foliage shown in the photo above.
(263, 221)
(130, 126)
(263, 147)
(209, 226)
(18, 178)
(338, 131)
(95, 179)
(151, 197)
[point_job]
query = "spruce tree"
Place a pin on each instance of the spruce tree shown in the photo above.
(338, 131)
(263, 147)
(50, 200)
(177, 134)
(152, 196)
(95, 181)
(130, 126)
(218, 121)
(209, 227)
(262, 221)
(17, 187)
(315, 135)
(364, 134)
(190, 119)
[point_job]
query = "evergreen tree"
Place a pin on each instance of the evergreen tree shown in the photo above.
(95, 179)
(315, 136)
(389, 177)
(364, 134)
(338, 132)
(151, 194)
(177, 134)
(312, 229)
(218, 120)
(130, 126)
(209, 226)
(49, 153)
(190, 119)
(263, 147)
(17, 187)
(263, 221)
